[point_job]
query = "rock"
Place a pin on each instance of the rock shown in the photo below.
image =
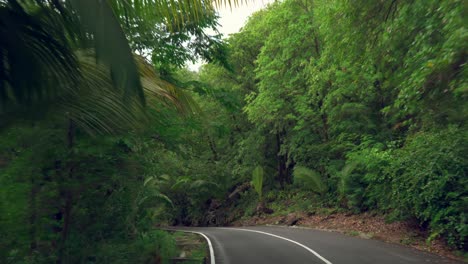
(290, 219)
(262, 209)
(294, 222)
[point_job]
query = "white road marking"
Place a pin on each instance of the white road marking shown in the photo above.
(210, 246)
(287, 239)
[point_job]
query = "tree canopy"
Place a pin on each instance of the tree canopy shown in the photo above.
(355, 106)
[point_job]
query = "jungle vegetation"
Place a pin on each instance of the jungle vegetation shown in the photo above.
(104, 134)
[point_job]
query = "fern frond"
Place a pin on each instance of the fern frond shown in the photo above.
(310, 179)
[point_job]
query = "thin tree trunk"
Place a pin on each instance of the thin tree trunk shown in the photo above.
(67, 193)
(71, 134)
(213, 148)
(282, 160)
(67, 216)
(325, 127)
(33, 216)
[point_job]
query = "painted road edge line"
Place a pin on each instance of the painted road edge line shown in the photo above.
(210, 246)
(212, 257)
(287, 239)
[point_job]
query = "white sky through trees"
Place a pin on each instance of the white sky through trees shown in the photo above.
(232, 19)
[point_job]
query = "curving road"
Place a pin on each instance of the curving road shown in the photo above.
(282, 245)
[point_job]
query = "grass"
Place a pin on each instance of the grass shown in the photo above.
(352, 233)
(355, 233)
(191, 248)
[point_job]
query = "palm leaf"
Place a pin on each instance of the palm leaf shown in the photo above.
(100, 96)
(180, 183)
(36, 62)
(97, 107)
(257, 180)
(161, 91)
(174, 13)
(199, 184)
(344, 183)
(309, 179)
(155, 196)
(110, 43)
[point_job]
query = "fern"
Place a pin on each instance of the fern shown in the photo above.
(344, 185)
(152, 192)
(154, 196)
(309, 179)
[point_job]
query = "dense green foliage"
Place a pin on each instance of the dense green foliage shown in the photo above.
(359, 106)
(78, 113)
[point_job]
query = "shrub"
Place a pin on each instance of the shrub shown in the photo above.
(429, 182)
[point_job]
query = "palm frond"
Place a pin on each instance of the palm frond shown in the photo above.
(180, 183)
(199, 184)
(257, 180)
(345, 180)
(155, 196)
(309, 179)
(36, 63)
(110, 44)
(160, 91)
(175, 13)
(96, 107)
(151, 193)
(102, 90)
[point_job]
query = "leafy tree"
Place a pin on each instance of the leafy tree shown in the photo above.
(361, 104)
(361, 94)
(60, 70)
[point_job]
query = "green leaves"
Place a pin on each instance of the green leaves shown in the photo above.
(357, 93)
(430, 176)
(309, 179)
(40, 69)
(36, 62)
(111, 46)
(151, 193)
(257, 180)
(284, 50)
(364, 103)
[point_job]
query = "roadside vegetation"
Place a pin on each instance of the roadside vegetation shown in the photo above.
(315, 107)
(192, 249)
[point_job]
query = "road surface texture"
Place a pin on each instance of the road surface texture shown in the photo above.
(282, 245)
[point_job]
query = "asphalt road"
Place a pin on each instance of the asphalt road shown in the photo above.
(282, 245)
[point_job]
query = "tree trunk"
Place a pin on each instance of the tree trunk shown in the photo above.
(284, 172)
(213, 148)
(33, 216)
(325, 127)
(67, 193)
(67, 216)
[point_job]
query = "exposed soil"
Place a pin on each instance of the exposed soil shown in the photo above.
(363, 225)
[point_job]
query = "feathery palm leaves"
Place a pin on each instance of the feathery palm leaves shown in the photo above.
(36, 62)
(100, 90)
(257, 180)
(310, 179)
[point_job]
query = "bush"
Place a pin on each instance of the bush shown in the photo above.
(363, 183)
(426, 179)
(429, 182)
(153, 247)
